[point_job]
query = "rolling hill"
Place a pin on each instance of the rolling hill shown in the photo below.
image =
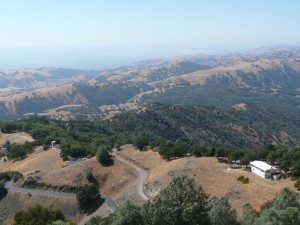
(270, 78)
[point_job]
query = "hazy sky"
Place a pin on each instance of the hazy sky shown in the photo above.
(98, 33)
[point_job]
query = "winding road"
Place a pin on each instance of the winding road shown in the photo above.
(143, 174)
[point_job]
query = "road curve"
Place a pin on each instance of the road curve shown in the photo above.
(143, 174)
(8, 185)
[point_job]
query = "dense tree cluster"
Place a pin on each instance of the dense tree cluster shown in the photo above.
(76, 139)
(286, 159)
(183, 202)
(39, 215)
(283, 210)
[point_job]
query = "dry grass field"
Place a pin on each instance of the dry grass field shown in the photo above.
(39, 160)
(119, 181)
(15, 202)
(15, 138)
(212, 175)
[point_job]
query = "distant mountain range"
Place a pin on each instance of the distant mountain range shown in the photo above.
(267, 80)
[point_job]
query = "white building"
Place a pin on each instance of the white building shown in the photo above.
(262, 169)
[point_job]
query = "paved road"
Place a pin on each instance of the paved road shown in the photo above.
(8, 185)
(143, 174)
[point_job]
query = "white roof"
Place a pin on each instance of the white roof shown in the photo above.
(261, 165)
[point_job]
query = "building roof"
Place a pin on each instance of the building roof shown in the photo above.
(261, 165)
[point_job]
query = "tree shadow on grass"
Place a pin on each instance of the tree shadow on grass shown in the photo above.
(96, 206)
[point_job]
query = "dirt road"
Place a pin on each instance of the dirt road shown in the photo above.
(143, 174)
(8, 185)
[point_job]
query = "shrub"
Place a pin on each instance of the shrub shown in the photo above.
(297, 185)
(11, 175)
(294, 178)
(38, 215)
(244, 180)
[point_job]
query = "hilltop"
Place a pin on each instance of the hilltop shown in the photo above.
(70, 94)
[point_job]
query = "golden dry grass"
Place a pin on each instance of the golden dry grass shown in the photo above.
(212, 175)
(15, 202)
(39, 160)
(49, 92)
(21, 135)
(117, 181)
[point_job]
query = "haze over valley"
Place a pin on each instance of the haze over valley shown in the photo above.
(149, 113)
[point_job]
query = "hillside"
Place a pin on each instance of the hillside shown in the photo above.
(12, 81)
(68, 98)
(50, 172)
(248, 126)
(207, 171)
(94, 95)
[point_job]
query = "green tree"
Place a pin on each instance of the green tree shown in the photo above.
(249, 215)
(103, 155)
(3, 191)
(90, 177)
(235, 155)
(7, 145)
(284, 210)
(220, 152)
(198, 151)
(221, 213)
(245, 160)
(98, 220)
(166, 151)
(182, 202)
(88, 197)
(140, 142)
(38, 215)
(128, 214)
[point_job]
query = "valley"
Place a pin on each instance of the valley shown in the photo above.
(100, 92)
(131, 131)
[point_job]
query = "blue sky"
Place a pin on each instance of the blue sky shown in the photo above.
(98, 33)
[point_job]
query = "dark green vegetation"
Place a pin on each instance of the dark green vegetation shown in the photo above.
(175, 131)
(3, 191)
(8, 176)
(228, 127)
(89, 197)
(297, 185)
(92, 96)
(183, 202)
(11, 175)
(140, 142)
(104, 155)
(76, 139)
(244, 180)
(108, 94)
(39, 215)
(288, 160)
(284, 210)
